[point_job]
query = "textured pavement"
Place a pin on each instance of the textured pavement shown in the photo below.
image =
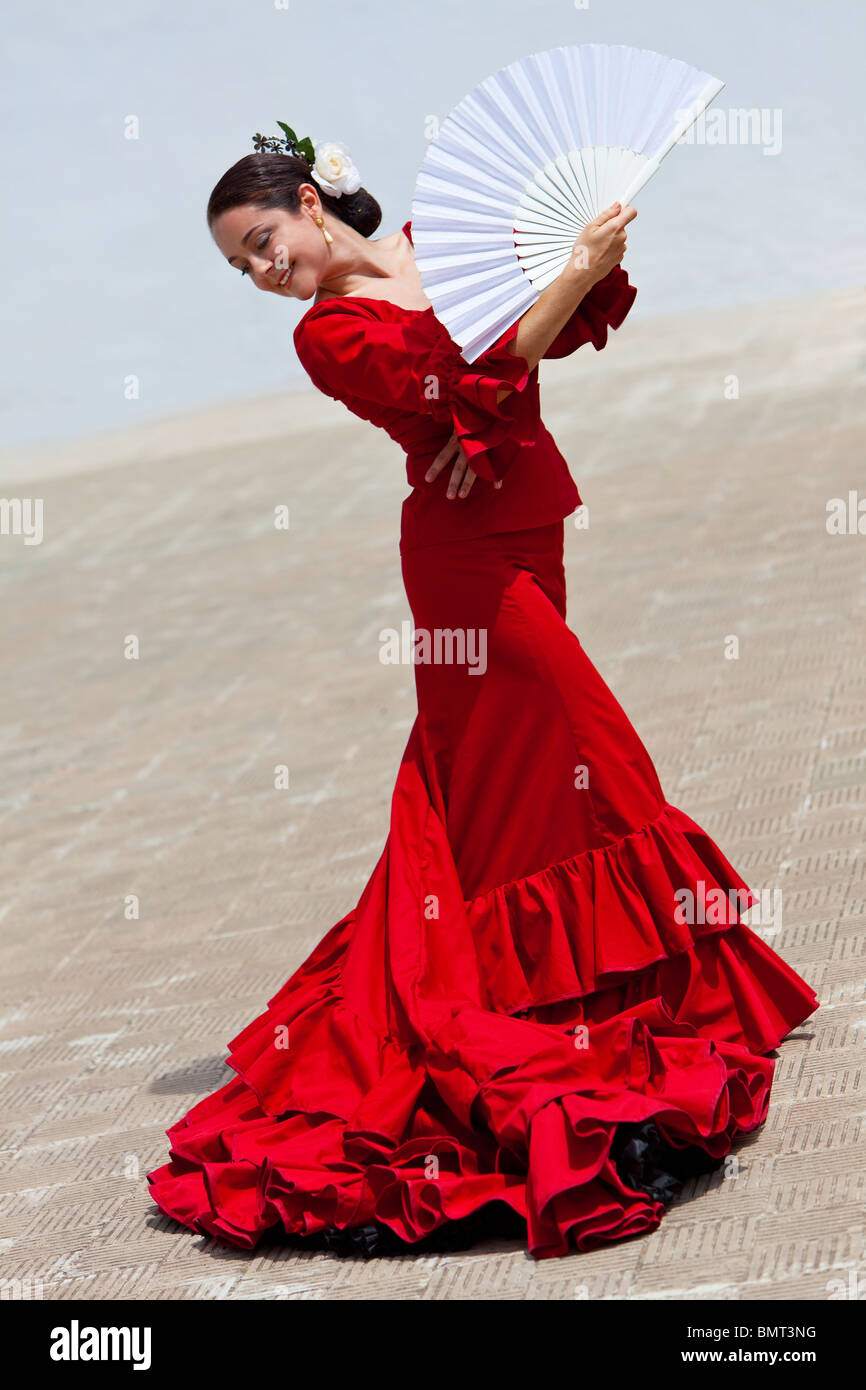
(156, 889)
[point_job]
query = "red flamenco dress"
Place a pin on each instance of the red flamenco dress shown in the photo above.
(514, 1024)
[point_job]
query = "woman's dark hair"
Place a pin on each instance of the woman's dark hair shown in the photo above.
(273, 180)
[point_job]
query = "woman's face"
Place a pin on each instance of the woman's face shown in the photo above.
(281, 252)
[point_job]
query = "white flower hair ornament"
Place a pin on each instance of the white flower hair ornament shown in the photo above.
(330, 162)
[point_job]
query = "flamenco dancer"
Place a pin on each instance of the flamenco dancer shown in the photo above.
(520, 1027)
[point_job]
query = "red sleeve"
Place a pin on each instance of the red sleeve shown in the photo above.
(604, 307)
(414, 365)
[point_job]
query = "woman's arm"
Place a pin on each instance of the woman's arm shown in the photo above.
(605, 307)
(600, 246)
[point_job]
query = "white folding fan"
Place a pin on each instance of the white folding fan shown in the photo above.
(524, 161)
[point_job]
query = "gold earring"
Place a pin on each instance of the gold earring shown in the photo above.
(320, 222)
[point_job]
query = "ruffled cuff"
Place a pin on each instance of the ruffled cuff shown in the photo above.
(604, 307)
(491, 432)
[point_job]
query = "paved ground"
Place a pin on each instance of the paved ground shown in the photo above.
(154, 778)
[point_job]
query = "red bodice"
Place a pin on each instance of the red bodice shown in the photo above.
(400, 369)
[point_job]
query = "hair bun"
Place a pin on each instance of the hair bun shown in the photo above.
(359, 210)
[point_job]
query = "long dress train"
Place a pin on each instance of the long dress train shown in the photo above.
(518, 1012)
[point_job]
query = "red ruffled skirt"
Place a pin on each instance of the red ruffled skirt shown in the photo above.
(518, 1010)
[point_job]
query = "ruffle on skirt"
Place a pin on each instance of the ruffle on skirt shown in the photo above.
(540, 1046)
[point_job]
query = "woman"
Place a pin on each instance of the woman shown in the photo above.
(521, 1025)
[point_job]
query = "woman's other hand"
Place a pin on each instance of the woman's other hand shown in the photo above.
(462, 477)
(602, 243)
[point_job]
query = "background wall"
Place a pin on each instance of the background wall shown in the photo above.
(110, 269)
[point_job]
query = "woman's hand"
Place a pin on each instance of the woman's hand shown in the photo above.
(602, 243)
(461, 470)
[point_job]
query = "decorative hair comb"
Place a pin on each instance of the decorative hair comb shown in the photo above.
(330, 163)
